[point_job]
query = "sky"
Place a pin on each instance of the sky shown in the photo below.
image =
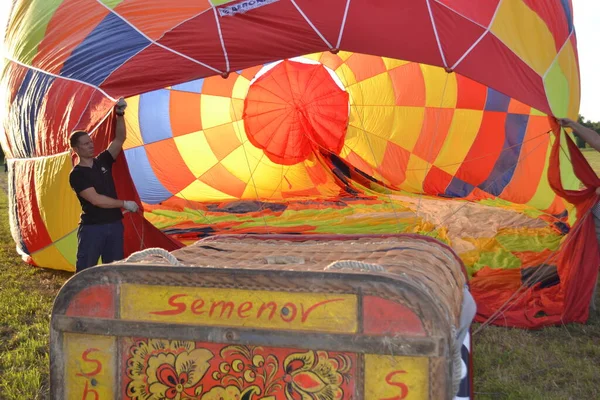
(587, 16)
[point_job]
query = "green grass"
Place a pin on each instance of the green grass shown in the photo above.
(553, 363)
(26, 296)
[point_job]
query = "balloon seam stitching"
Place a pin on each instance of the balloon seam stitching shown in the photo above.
(487, 30)
(221, 39)
(59, 76)
(435, 32)
(311, 24)
(155, 42)
(343, 26)
(458, 13)
(558, 54)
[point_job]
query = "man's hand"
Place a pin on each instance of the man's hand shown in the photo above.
(598, 191)
(121, 106)
(566, 123)
(116, 145)
(130, 206)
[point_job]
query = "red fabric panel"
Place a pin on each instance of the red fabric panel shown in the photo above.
(247, 42)
(471, 95)
(436, 181)
(152, 68)
(174, 175)
(456, 33)
(32, 226)
(475, 169)
(480, 11)
(326, 16)
(63, 105)
(580, 256)
(13, 76)
(206, 48)
(505, 72)
(553, 14)
(577, 262)
(155, 17)
(400, 29)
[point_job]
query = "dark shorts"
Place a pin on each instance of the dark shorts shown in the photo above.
(101, 240)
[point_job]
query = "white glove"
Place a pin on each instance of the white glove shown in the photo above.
(130, 206)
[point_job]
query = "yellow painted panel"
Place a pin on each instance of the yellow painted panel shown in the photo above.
(196, 152)
(525, 33)
(240, 308)
(440, 87)
(132, 123)
(215, 110)
(58, 204)
(90, 361)
(240, 88)
(463, 131)
(389, 377)
(51, 257)
(415, 174)
(200, 191)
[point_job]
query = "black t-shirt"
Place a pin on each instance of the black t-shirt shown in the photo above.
(99, 176)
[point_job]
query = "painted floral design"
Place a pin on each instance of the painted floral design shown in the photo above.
(249, 367)
(162, 369)
(231, 393)
(180, 370)
(311, 376)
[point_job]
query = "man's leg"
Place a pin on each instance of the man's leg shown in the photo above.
(89, 246)
(113, 248)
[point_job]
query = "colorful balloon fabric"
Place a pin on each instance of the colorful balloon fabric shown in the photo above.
(435, 117)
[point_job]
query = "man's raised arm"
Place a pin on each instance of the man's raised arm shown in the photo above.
(116, 145)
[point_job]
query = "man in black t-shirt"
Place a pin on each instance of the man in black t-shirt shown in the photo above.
(100, 231)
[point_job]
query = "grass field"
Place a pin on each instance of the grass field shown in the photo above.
(553, 363)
